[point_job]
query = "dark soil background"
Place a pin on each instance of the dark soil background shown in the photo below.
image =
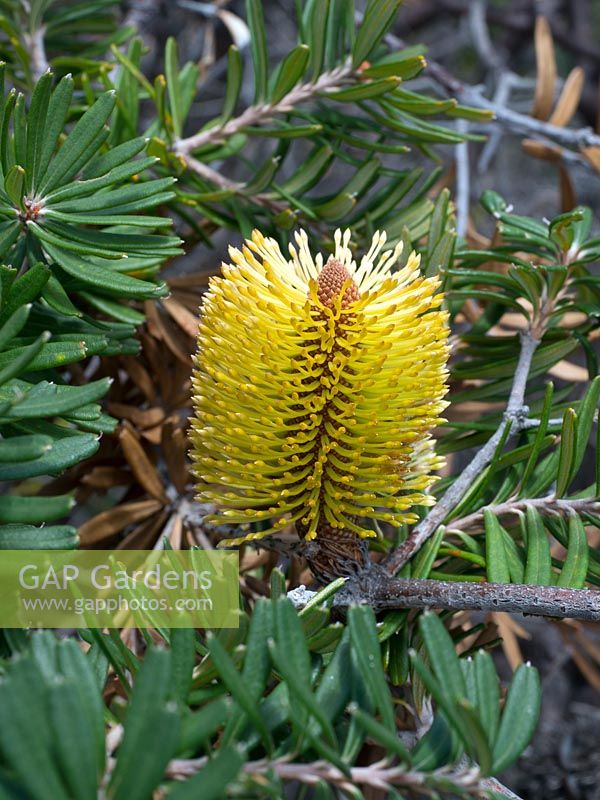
(487, 44)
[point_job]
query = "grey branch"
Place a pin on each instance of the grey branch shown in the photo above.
(379, 775)
(514, 415)
(259, 114)
(37, 50)
(384, 593)
(572, 138)
(547, 505)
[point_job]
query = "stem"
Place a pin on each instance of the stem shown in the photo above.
(514, 415)
(576, 139)
(544, 601)
(549, 504)
(39, 62)
(259, 114)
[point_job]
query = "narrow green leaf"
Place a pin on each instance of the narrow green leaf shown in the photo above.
(172, 76)
(258, 47)
(574, 571)
(28, 537)
(36, 128)
(104, 280)
(378, 18)
(519, 717)
(234, 682)
(23, 448)
(363, 636)
(442, 655)
(585, 421)
(233, 84)
(539, 437)
(34, 510)
(496, 563)
(291, 71)
(538, 569)
(487, 689)
(78, 142)
(14, 184)
(568, 442)
(58, 108)
(64, 453)
(213, 779)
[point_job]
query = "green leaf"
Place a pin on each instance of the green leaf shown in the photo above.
(47, 399)
(34, 509)
(487, 689)
(258, 47)
(28, 537)
(58, 108)
(519, 717)
(14, 324)
(213, 779)
(566, 457)
(585, 421)
(199, 727)
(574, 571)
(538, 569)
(363, 636)
(104, 280)
(172, 76)
(36, 128)
(23, 448)
(291, 71)
(16, 361)
(442, 656)
(78, 142)
(378, 18)
(317, 24)
(234, 83)
(234, 682)
(75, 742)
(14, 184)
(496, 563)
(365, 90)
(64, 453)
(539, 437)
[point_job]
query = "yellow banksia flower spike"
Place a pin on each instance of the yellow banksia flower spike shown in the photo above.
(316, 387)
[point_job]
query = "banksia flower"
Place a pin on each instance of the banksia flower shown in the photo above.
(316, 386)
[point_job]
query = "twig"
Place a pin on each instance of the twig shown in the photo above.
(37, 51)
(259, 114)
(480, 35)
(548, 505)
(379, 775)
(576, 139)
(383, 593)
(463, 183)
(514, 415)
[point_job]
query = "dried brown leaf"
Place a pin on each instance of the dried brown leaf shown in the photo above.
(570, 96)
(140, 464)
(568, 198)
(187, 321)
(139, 376)
(108, 523)
(107, 477)
(174, 444)
(546, 69)
(141, 417)
(569, 372)
(593, 156)
(510, 643)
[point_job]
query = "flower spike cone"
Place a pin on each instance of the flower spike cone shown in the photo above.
(316, 387)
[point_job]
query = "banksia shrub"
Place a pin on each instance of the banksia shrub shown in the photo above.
(316, 386)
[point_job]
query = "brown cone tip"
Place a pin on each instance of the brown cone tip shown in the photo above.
(330, 281)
